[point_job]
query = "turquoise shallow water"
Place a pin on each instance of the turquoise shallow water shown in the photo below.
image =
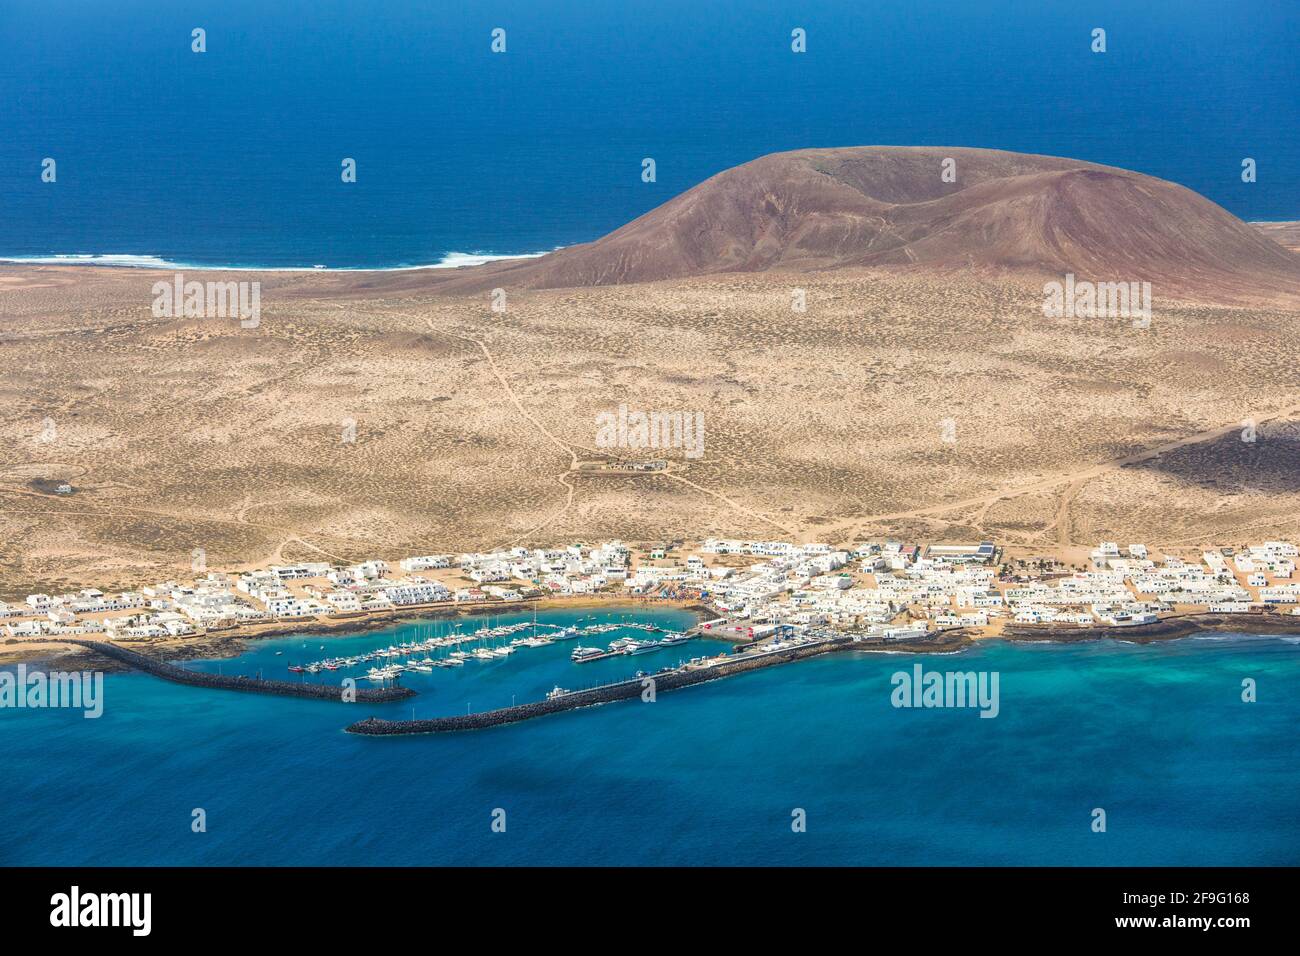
(1156, 735)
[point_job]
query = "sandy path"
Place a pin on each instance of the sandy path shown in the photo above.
(568, 447)
(1077, 480)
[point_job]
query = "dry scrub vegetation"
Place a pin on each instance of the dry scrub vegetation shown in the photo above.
(185, 434)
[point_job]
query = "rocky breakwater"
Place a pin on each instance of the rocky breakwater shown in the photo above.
(623, 690)
(256, 685)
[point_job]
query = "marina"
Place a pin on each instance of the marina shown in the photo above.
(490, 643)
(696, 671)
(452, 664)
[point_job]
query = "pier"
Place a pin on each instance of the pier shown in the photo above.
(255, 685)
(622, 690)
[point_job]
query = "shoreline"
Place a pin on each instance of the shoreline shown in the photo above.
(747, 656)
(231, 642)
(145, 262)
(452, 259)
(1165, 629)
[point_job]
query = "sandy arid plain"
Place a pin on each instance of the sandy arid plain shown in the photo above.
(934, 403)
(184, 434)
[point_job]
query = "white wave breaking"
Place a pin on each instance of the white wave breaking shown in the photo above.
(452, 260)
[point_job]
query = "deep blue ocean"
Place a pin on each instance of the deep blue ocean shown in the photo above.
(232, 157)
(1156, 735)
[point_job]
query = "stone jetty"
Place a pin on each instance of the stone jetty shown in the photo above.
(623, 690)
(281, 688)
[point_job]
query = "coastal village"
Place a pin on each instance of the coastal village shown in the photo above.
(759, 590)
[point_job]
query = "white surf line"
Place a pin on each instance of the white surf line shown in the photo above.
(452, 260)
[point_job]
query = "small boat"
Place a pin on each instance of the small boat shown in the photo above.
(296, 668)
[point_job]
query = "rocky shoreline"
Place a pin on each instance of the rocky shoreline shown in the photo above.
(1165, 629)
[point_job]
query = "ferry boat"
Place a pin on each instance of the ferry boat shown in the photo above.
(673, 639)
(640, 647)
(581, 654)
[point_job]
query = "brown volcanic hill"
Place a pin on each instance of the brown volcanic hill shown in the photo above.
(888, 206)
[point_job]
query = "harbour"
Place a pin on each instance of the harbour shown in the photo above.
(489, 642)
(696, 671)
(180, 675)
(750, 722)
